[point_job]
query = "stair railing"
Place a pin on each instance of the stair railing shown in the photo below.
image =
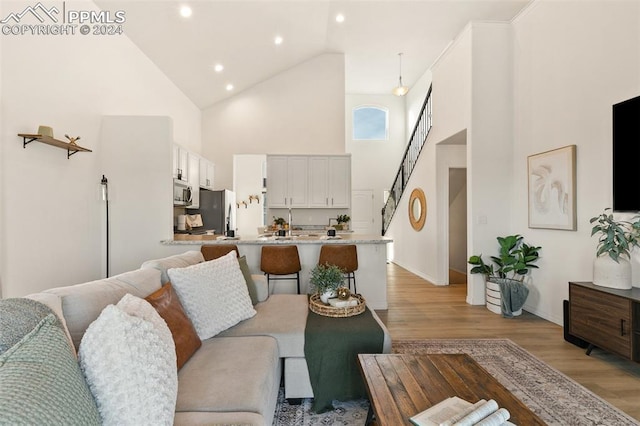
(409, 160)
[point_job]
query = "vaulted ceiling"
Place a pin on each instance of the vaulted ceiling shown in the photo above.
(240, 35)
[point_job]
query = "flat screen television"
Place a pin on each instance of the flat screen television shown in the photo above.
(626, 155)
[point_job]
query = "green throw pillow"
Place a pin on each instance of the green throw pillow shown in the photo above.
(18, 316)
(42, 383)
(251, 285)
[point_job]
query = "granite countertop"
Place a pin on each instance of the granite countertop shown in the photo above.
(347, 238)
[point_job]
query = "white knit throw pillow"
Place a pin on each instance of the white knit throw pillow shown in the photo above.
(213, 294)
(130, 368)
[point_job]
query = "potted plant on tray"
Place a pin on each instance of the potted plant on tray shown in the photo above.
(325, 280)
(508, 270)
(616, 239)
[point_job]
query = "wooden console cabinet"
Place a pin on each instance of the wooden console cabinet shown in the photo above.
(606, 318)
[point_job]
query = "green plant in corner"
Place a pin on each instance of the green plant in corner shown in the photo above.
(326, 277)
(514, 261)
(617, 237)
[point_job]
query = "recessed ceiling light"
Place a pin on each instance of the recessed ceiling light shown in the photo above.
(278, 40)
(218, 68)
(229, 87)
(185, 11)
(339, 17)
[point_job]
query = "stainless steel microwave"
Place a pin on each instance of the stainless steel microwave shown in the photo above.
(182, 193)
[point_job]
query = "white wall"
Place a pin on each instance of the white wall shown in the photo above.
(52, 208)
(299, 111)
(2, 187)
(572, 62)
(374, 164)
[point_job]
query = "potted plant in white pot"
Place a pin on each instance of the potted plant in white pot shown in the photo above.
(616, 239)
(325, 280)
(507, 272)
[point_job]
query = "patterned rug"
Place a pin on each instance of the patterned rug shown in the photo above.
(553, 396)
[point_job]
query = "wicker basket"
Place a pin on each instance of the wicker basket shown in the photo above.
(316, 305)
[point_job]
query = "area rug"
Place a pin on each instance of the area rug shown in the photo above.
(554, 397)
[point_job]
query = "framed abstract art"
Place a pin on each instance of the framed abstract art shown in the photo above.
(552, 189)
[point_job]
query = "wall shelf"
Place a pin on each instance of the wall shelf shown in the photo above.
(70, 147)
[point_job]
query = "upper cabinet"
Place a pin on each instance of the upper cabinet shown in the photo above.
(206, 174)
(330, 181)
(309, 181)
(180, 163)
(287, 181)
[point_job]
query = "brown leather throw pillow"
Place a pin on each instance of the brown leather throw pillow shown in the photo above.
(166, 302)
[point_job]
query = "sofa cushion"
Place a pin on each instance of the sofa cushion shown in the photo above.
(231, 374)
(18, 316)
(251, 285)
(182, 260)
(130, 369)
(213, 293)
(186, 340)
(41, 381)
(82, 303)
(282, 316)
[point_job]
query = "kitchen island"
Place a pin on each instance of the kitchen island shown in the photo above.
(371, 276)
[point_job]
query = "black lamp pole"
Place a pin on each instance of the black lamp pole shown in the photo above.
(105, 197)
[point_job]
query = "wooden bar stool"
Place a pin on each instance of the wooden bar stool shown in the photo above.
(214, 251)
(280, 260)
(344, 256)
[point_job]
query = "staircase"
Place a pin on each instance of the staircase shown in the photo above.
(409, 160)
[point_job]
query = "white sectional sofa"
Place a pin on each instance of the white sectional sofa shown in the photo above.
(232, 378)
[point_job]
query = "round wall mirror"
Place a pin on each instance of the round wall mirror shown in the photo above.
(417, 209)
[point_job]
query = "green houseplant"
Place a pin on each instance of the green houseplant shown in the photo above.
(342, 220)
(325, 280)
(279, 221)
(616, 239)
(514, 261)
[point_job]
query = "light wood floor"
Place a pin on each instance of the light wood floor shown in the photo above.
(421, 310)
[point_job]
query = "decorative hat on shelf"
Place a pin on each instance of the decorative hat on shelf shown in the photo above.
(45, 131)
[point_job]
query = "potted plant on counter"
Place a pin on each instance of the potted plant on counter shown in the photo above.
(616, 239)
(505, 276)
(325, 280)
(278, 222)
(343, 221)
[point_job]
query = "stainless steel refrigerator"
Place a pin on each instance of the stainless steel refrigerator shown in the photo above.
(218, 210)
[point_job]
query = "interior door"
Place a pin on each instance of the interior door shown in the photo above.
(362, 212)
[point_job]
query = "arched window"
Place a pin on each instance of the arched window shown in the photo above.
(370, 123)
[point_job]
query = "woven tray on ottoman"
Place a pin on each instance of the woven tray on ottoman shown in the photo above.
(316, 305)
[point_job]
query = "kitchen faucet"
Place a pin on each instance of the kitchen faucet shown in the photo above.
(290, 222)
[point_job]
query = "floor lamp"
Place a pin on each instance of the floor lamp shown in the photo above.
(105, 197)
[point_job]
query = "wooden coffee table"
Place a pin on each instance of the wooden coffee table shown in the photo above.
(403, 385)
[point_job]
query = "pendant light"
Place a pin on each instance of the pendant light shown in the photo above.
(400, 90)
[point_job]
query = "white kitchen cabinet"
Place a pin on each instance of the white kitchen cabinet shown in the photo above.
(287, 180)
(330, 181)
(206, 174)
(340, 182)
(194, 178)
(180, 163)
(318, 182)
